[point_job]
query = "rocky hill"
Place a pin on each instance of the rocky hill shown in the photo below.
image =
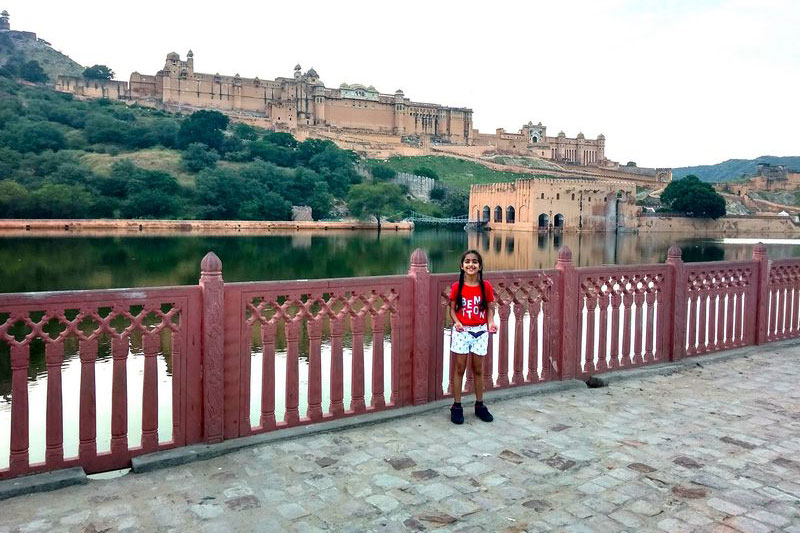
(734, 169)
(29, 47)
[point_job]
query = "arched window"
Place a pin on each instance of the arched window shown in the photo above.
(542, 197)
(544, 221)
(486, 213)
(498, 214)
(558, 221)
(510, 214)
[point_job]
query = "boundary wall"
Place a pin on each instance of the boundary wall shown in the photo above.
(257, 357)
(190, 226)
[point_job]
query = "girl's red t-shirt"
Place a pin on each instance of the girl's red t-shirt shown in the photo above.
(471, 313)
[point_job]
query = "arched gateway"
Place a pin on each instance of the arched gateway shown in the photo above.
(544, 221)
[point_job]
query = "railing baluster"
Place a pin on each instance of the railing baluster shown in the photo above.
(519, 316)
(650, 300)
(504, 311)
(150, 346)
(627, 302)
(18, 458)
(488, 365)
(119, 397)
(87, 448)
(394, 324)
(533, 340)
(712, 319)
(602, 353)
(702, 330)
(292, 371)
(549, 339)
(796, 307)
(54, 454)
(591, 310)
(691, 349)
(740, 317)
(269, 331)
(638, 355)
(616, 302)
(378, 395)
(773, 313)
(730, 341)
(337, 367)
(315, 369)
(357, 403)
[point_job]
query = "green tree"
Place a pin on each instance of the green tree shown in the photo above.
(245, 132)
(37, 137)
(694, 198)
(98, 72)
(13, 199)
(198, 156)
(271, 153)
(426, 172)
(376, 200)
(205, 127)
(381, 172)
(32, 71)
(281, 139)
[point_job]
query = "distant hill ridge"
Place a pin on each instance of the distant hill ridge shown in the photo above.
(31, 48)
(734, 169)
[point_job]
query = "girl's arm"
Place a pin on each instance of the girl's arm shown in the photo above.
(456, 322)
(490, 318)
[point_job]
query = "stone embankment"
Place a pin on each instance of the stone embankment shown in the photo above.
(188, 226)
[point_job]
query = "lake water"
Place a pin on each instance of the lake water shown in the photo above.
(49, 263)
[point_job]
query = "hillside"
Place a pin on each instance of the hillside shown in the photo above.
(734, 169)
(54, 63)
(453, 173)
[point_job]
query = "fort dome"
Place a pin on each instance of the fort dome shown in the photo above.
(173, 56)
(190, 53)
(297, 67)
(562, 134)
(601, 137)
(312, 73)
(580, 136)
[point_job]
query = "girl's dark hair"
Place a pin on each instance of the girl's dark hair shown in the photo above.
(459, 303)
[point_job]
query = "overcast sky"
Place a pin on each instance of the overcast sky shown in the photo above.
(669, 82)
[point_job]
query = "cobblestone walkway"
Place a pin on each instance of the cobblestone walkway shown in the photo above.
(713, 448)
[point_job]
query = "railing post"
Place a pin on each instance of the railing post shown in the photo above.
(213, 296)
(568, 296)
(762, 294)
(421, 345)
(676, 331)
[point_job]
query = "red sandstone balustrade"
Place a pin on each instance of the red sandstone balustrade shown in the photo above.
(554, 324)
(167, 319)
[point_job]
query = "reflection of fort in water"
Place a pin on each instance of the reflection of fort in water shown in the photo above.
(507, 250)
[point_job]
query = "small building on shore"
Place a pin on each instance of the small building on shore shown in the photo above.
(555, 205)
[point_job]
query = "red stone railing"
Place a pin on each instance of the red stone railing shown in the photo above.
(247, 358)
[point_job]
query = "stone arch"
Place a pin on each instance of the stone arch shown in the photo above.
(486, 216)
(544, 221)
(498, 214)
(523, 213)
(558, 221)
(510, 214)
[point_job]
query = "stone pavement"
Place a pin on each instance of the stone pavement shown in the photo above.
(715, 447)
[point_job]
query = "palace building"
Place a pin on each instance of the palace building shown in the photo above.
(555, 205)
(300, 101)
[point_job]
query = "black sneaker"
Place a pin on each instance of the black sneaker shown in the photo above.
(457, 414)
(483, 413)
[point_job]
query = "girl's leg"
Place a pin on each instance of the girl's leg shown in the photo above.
(477, 374)
(459, 366)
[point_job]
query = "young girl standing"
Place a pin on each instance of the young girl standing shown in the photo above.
(472, 312)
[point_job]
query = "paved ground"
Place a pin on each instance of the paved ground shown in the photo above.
(713, 448)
